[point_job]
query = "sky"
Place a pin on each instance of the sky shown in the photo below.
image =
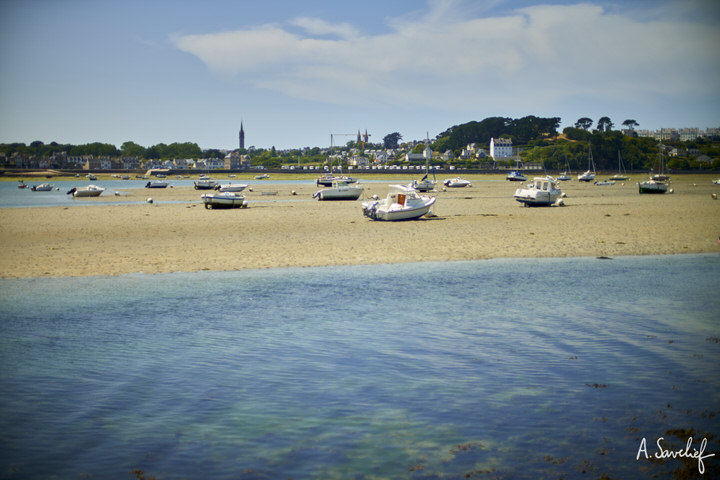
(295, 72)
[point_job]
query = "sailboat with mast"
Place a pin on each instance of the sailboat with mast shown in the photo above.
(565, 176)
(425, 184)
(662, 176)
(622, 174)
(589, 175)
(658, 182)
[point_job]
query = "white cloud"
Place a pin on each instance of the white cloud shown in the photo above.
(537, 55)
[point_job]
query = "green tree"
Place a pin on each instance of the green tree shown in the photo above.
(392, 140)
(584, 123)
(132, 149)
(604, 124)
(630, 124)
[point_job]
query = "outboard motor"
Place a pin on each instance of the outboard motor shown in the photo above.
(72, 190)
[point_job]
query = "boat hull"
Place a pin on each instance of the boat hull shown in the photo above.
(536, 199)
(89, 191)
(205, 185)
(376, 211)
(223, 201)
(652, 187)
(333, 194)
(457, 183)
(231, 187)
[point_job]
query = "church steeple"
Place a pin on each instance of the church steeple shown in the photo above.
(242, 136)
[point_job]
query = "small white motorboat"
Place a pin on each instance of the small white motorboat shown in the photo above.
(43, 187)
(605, 182)
(231, 187)
(516, 176)
(88, 191)
(340, 190)
(457, 183)
(224, 200)
(543, 191)
(156, 184)
(262, 177)
(716, 182)
(91, 177)
(401, 203)
(205, 184)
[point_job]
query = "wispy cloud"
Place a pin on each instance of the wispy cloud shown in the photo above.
(539, 55)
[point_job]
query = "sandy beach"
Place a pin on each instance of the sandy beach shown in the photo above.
(177, 234)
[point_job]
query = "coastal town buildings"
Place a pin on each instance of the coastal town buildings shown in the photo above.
(501, 148)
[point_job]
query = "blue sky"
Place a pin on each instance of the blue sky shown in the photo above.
(294, 71)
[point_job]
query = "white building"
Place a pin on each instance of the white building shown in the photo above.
(500, 148)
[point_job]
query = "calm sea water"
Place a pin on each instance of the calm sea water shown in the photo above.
(547, 368)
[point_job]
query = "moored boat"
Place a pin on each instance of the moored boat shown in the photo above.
(457, 182)
(327, 180)
(516, 176)
(621, 175)
(205, 184)
(224, 200)
(87, 191)
(652, 186)
(401, 203)
(43, 187)
(543, 191)
(589, 174)
(340, 190)
(156, 184)
(605, 182)
(231, 187)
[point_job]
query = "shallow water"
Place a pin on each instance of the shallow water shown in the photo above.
(502, 368)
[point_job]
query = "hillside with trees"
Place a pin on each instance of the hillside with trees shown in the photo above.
(522, 131)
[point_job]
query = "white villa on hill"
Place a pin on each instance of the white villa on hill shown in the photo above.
(500, 147)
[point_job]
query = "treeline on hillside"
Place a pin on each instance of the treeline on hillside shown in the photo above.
(97, 149)
(608, 147)
(522, 131)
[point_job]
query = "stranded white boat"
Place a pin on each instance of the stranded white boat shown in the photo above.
(327, 180)
(156, 184)
(231, 187)
(652, 186)
(621, 175)
(205, 184)
(605, 182)
(340, 190)
(224, 200)
(543, 191)
(516, 176)
(457, 183)
(262, 177)
(89, 191)
(43, 187)
(401, 203)
(589, 175)
(565, 176)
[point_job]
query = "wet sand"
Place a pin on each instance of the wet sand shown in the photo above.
(177, 234)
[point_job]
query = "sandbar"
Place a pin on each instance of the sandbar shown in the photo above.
(290, 229)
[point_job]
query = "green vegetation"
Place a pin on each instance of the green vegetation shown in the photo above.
(536, 138)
